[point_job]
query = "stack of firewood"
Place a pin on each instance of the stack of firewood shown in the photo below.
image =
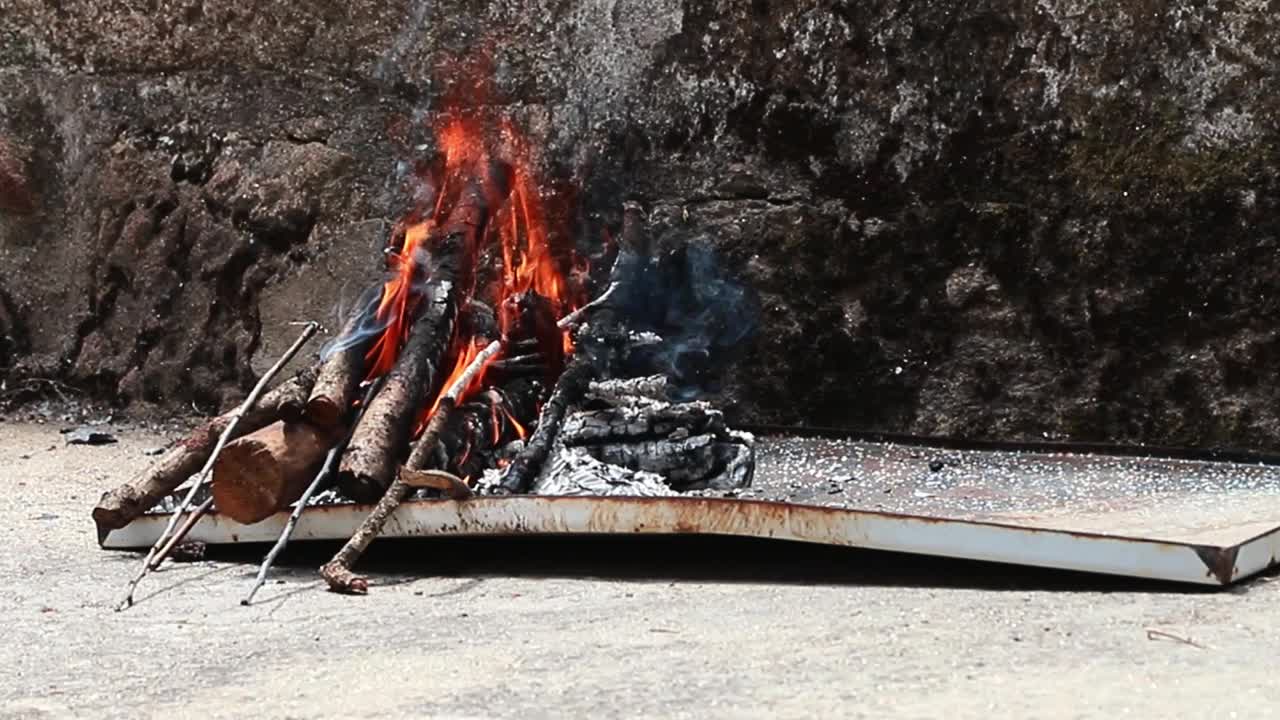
(505, 411)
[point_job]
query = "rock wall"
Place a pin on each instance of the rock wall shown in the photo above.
(1049, 218)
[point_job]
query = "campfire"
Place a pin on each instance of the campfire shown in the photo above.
(507, 351)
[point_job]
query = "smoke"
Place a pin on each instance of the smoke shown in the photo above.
(698, 318)
(365, 325)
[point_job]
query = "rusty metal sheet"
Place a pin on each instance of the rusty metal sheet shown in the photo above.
(1183, 520)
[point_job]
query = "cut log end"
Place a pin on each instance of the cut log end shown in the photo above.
(265, 471)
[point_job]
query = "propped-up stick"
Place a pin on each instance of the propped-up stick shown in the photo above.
(308, 332)
(337, 572)
(326, 472)
(341, 372)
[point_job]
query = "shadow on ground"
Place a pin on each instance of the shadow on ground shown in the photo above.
(684, 559)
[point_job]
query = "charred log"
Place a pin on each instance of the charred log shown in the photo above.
(267, 470)
(480, 431)
(572, 385)
(119, 507)
(381, 437)
(530, 316)
(637, 435)
(597, 345)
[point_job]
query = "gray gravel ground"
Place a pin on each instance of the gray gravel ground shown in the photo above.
(534, 628)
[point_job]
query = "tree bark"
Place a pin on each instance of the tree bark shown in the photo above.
(381, 437)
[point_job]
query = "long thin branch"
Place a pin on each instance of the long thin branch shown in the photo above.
(572, 318)
(330, 464)
(307, 333)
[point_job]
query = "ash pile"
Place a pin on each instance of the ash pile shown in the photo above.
(509, 350)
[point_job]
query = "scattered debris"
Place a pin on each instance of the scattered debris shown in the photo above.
(86, 435)
(188, 552)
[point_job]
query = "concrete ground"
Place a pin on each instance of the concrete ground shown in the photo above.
(533, 628)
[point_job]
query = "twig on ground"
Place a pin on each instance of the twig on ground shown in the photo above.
(1154, 634)
(330, 464)
(196, 484)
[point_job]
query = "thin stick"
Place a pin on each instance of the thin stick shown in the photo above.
(330, 464)
(1153, 634)
(191, 521)
(307, 333)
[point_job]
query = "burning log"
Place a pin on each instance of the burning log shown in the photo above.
(380, 438)
(529, 315)
(382, 434)
(267, 470)
(340, 374)
(479, 432)
(119, 507)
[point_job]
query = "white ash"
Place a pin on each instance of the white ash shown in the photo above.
(573, 471)
(646, 391)
(629, 439)
(639, 339)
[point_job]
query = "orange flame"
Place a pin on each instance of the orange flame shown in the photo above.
(518, 229)
(465, 156)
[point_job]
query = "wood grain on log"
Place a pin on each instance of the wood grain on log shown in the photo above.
(120, 506)
(265, 471)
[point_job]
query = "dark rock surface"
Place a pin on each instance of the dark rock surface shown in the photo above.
(999, 219)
